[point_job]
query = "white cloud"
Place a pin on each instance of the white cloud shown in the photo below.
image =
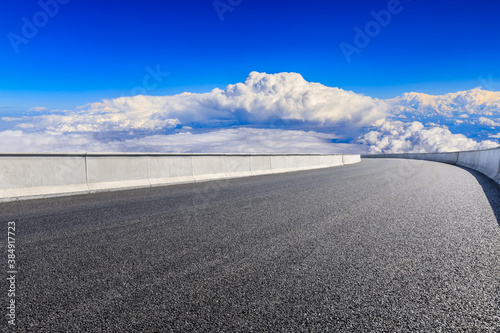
(266, 113)
(18, 141)
(395, 137)
(38, 109)
(468, 112)
(459, 104)
(261, 100)
(238, 140)
(488, 122)
(241, 140)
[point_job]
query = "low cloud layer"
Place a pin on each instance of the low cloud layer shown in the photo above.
(470, 102)
(262, 100)
(474, 112)
(238, 140)
(267, 113)
(396, 136)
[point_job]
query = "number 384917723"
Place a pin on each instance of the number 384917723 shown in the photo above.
(11, 244)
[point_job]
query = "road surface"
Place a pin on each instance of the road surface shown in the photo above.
(379, 246)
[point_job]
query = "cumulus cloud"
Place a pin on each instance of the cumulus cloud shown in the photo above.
(260, 100)
(471, 113)
(488, 122)
(461, 104)
(265, 113)
(392, 136)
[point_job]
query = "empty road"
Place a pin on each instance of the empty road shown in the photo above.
(379, 246)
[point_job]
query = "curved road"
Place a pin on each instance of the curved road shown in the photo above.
(379, 246)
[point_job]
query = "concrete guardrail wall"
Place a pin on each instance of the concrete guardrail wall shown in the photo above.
(485, 161)
(24, 176)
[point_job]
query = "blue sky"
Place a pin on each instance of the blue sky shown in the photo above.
(92, 50)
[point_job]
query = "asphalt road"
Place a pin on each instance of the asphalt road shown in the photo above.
(380, 246)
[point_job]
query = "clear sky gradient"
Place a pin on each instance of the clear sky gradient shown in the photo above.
(91, 50)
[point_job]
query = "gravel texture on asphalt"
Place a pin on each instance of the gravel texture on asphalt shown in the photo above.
(379, 246)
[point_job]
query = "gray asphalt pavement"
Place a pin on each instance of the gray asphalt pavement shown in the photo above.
(379, 246)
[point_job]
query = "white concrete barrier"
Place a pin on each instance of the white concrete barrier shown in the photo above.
(106, 172)
(350, 159)
(485, 161)
(237, 166)
(309, 161)
(260, 165)
(165, 170)
(24, 176)
(331, 160)
(283, 163)
(208, 167)
(336, 160)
